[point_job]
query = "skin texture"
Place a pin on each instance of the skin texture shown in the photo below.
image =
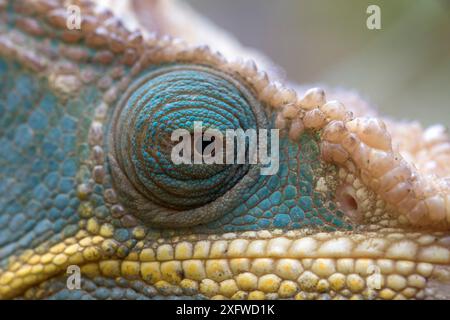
(356, 210)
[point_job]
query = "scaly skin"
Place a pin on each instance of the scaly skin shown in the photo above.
(355, 211)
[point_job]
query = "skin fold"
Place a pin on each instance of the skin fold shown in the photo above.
(359, 208)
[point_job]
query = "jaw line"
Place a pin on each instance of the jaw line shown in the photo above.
(208, 260)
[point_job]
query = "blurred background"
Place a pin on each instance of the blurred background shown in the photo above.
(403, 69)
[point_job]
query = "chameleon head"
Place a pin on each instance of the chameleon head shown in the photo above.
(347, 215)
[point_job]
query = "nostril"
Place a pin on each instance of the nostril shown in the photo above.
(346, 199)
(349, 202)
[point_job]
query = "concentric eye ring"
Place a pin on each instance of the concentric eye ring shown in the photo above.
(173, 97)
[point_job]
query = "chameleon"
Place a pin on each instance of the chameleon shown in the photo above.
(359, 208)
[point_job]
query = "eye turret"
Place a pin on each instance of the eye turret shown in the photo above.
(166, 99)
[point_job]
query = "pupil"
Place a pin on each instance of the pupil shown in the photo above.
(201, 144)
(207, 143)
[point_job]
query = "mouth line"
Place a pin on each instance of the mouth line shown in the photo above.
(251, 261)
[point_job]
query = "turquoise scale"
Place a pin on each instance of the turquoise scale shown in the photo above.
(42, 143)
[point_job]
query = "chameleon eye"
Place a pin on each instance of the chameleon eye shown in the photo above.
(165, 99)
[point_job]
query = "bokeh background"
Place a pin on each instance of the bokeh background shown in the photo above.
(403, 69)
